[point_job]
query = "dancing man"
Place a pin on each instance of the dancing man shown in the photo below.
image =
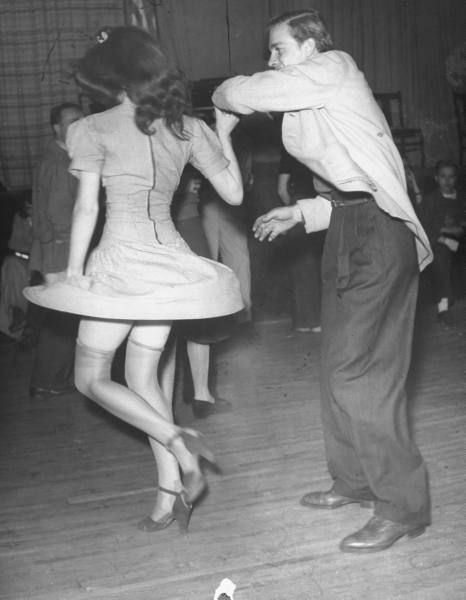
(333, 125)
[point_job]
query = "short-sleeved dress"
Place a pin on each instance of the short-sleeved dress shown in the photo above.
(142, 269)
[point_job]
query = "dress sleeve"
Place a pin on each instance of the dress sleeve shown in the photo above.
(85, 150)
(206, 153)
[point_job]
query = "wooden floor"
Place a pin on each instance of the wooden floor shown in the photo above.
(74, 483)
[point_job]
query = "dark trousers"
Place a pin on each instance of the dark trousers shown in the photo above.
(370, 281)
(440, 271)
(304, 252)
(53, 365)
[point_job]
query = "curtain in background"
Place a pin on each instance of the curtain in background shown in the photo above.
(399, 44)
(195, 34)
(402, 45)
(39, 40)
(141, 13)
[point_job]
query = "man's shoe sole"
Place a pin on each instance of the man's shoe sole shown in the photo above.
(362, 504)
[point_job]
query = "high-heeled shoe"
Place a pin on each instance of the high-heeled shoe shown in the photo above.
(194, 482)
(181, 513)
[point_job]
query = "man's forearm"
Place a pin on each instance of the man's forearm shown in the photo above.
(266, 92)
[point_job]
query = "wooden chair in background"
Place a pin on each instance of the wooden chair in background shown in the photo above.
(407, 139)
(460, 113)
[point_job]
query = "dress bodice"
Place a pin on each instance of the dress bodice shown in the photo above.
(139, 172)
(142, 269)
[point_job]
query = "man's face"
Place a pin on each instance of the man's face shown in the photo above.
(285, 50)
(68, 116)
(446, 179)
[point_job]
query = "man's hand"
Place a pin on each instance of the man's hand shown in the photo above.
(276, 222)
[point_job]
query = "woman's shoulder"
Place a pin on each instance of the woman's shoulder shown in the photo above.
(193, 125)
(105, 121)
(92, 130)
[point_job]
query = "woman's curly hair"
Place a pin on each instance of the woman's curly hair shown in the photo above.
(128, 59)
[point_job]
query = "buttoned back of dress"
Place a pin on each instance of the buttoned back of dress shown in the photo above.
(140, 172)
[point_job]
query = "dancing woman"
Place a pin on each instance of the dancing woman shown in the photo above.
(142, 276)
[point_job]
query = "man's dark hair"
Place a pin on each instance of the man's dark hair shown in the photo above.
(57, 111)
(305, 24)
(442, 164)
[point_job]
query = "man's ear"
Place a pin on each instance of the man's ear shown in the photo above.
(309, 47)
(56, 130)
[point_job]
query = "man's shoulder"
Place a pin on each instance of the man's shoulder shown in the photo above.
(326, 66)
(332, 59)
(51, 155)
(51, 149)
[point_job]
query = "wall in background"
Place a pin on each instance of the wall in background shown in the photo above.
(399, 44)
(39, 40)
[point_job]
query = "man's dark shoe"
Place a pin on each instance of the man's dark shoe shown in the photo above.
(330, 500)
(40, 393)
(378, 534)
(203, 409)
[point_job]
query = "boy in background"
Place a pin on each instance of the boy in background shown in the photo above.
(441, 214)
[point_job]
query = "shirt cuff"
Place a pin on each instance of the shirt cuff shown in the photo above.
(316, 213)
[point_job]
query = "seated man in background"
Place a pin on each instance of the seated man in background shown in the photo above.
(441, 214)
(53, 200)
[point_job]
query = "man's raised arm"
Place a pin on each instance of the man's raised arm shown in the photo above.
(286, 90)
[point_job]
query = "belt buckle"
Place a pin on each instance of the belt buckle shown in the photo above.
(337, 203)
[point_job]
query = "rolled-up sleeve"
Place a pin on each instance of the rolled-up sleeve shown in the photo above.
(84, 147)
(316, 213)
(206, 153)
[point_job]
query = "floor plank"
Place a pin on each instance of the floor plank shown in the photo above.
(75, 482)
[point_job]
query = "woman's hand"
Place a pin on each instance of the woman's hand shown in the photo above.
(69, 277)
(225, 122)
(276, 222)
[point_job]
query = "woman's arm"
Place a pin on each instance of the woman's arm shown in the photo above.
(228, 182)
(85, 213)
(283, 192)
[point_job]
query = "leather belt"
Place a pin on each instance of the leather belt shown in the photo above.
(349, 202)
